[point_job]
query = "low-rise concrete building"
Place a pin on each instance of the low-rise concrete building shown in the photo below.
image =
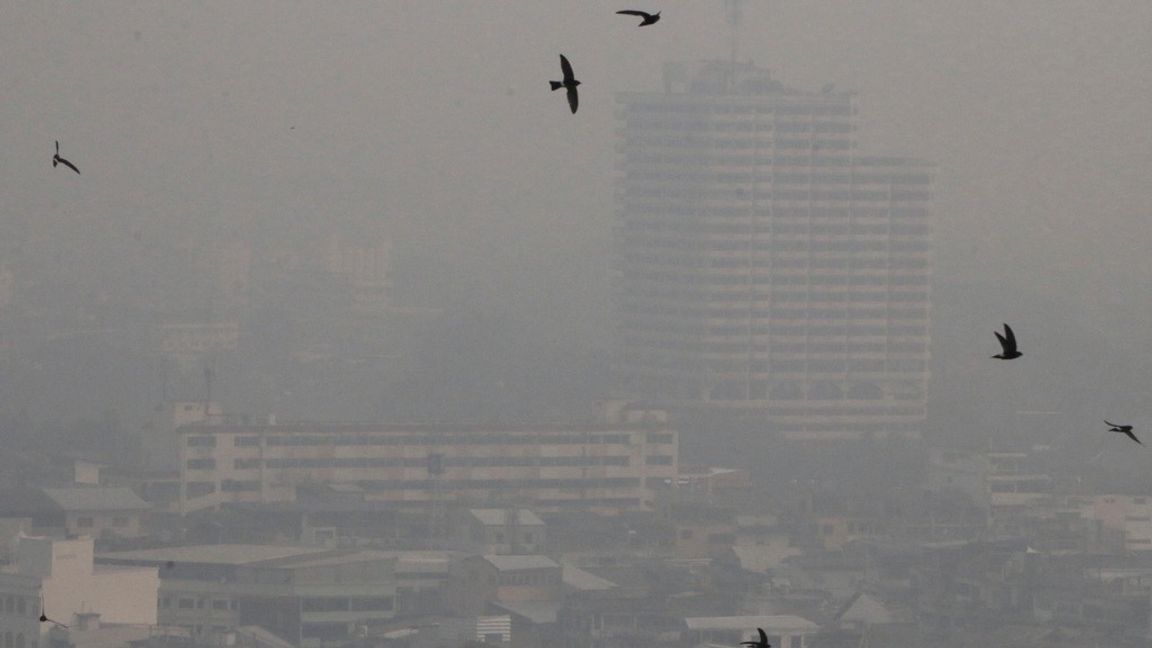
(309, 596)
(61, 576)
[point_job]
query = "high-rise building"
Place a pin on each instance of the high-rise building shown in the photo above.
(767, 267)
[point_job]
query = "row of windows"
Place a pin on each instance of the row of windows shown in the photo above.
(841, 263)
(195, 603)
(445, 439)
(740, 193)
(692, 214)
(859, 313)
(696, 228)
(347, 604)
(643, 142)
(822, 108)
(89, 522)
(638, 127)
(19, 605)
(777, 245)
(814, 157)
(500, 484)
(17, 640)
(412, 462)
(769, 366)
(202, 488)
(780, 178)
(824, 330)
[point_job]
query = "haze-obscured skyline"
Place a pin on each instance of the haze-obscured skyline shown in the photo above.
(260, 119)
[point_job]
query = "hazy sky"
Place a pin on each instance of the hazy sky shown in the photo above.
(437, 117)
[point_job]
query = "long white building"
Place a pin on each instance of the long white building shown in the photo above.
(767, 266)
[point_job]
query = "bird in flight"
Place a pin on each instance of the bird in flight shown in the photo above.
(648, 18)
(1008, 342)
(1123, 429)
(569, 82)
(56, 159)
(763, 643)
(44, 618)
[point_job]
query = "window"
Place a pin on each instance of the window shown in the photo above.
(201, 488)
(186, 604)
(219, 604)
(201, 464)
(20, 606)
(658, 460)
(370, 603)
(120, 522)
(247, 441)
(243, 464)
(164, 602)
(201, 442)
(84, 522)
(326, 604)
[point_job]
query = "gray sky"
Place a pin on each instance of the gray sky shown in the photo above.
(233, 116)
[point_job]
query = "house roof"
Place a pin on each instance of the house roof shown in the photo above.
(534, 611)
(512, 563)
(96, 499)
(772, 623)
(579, 579)
(227, 554)
(499, 517)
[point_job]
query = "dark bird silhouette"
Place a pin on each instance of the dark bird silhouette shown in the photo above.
(649, 19)
(44, 618)
(1008, 342)
(1123, 429)
(569, 82)
(763, 643)
(56, 159)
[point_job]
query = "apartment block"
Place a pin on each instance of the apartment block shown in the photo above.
(604, 468)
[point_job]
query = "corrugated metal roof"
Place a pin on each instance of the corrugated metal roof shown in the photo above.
(510, 563)
(772, 623)
(236, 554)
(97, 499)
(499, 517)
(579, 579)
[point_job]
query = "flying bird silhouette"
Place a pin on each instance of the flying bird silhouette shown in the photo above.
(648, 18)
(56, 159)
(763, 643)
(1008, 342)
(45, 619)
(1123, 429)
(569, 82)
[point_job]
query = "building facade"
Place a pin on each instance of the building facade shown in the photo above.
(608, 468)
(59, 579)
(310, 597)
(766, 266)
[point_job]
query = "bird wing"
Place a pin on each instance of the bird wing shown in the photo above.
(1129, 434)
(1003, 342)
(573, 100)
(68, 164)
(763, 637)
(1110, 424)
(57, 147)
(633, 12)
(567, 68)
(1011, 337)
